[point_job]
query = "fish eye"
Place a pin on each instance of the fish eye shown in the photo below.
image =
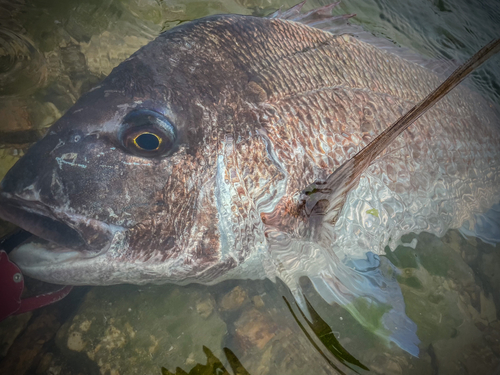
(148, 133)
(147, 141)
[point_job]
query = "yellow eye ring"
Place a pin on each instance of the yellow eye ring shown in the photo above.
(147, 141)
(148, 134)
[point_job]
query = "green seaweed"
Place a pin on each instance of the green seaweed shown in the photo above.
(403, 257)
(412, 282)
(369, 312)
(213, 367)
(373, 212)
(325, 334)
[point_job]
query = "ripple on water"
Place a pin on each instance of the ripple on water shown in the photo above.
(22, 66)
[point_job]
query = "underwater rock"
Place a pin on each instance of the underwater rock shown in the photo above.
(435, 280)
(50, 364)
(10, 329)
(254, 329)
(46, 364)
(30, 344)
(234, 299)
(387, 365)
(492, 337)
(8, 157)
(488, 309)
(465, 353)
(15, 115)
(487, 267)
(205, 307)
(433, 308)
(137, 330)
(100, 59)
(23, 122)
(258, 302)
(444, 285)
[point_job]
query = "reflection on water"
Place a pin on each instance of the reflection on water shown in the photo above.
(51, 52)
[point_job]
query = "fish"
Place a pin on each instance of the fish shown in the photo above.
(197, 158)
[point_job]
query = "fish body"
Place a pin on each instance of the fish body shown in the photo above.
(187, 162)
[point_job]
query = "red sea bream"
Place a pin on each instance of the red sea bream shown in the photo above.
(187, 163)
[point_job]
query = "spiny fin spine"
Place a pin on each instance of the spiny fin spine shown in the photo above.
(320, 18)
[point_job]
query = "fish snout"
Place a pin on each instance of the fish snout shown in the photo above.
(23, 180)
(21, 177)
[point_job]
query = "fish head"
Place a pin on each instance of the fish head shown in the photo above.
(123, 187)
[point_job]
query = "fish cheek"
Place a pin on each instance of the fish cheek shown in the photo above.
(208, 248)
(204, 255)
(184, 223)
(104, 183)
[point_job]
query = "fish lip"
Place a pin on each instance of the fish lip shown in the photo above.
(61, 231)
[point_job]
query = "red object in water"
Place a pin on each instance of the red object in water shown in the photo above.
(11, 288)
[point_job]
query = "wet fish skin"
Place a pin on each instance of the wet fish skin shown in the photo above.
(262, 108)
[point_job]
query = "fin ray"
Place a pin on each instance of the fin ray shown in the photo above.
(363, 288)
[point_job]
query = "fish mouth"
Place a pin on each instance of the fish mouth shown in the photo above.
(57, 231)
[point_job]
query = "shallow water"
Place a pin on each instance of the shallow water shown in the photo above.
(51, 52)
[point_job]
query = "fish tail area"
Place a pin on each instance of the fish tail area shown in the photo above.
(486, 226)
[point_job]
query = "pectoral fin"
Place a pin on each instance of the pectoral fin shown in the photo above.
(367, 288)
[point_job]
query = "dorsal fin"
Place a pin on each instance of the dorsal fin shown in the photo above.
(289, 13)
(323, 202)
(319, 18)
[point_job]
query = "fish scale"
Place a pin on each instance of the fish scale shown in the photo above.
(435, 131)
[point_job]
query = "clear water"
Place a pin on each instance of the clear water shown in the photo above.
(51, 52)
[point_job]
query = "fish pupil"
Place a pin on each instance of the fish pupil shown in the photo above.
(147, 141)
